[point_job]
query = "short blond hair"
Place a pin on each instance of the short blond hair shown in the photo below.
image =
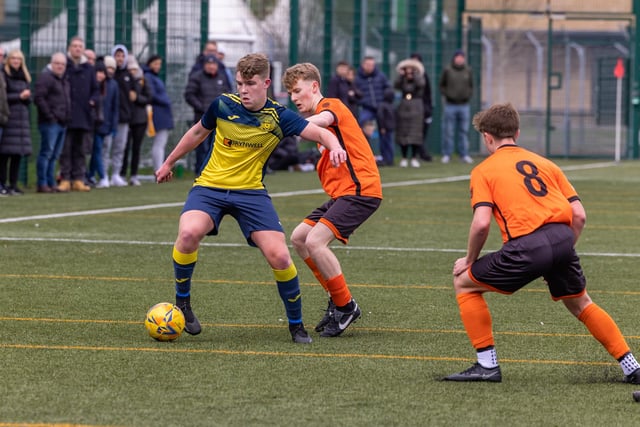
(254, 64)
(305, 71)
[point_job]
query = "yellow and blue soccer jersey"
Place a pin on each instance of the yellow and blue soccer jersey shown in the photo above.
(244, 141)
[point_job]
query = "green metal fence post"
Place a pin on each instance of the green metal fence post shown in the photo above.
(386, 36)
(327, 39)
(294, 29)
(25, 47)
(90, 39)
(162, 37)
(357, 32)
(204, 23)
(72, 19)
(435, 130)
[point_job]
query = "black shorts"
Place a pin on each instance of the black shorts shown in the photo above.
(344, 214)
(547, 252)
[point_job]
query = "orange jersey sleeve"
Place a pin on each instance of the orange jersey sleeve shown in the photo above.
(525, 191)
(359, 175)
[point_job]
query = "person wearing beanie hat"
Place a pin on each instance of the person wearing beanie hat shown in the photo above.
(456, 87)
(114, 157)
(107, 126)
(140, 97)
(109, 62)
(203, 87)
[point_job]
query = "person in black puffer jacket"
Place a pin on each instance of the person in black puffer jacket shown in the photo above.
(16, 137)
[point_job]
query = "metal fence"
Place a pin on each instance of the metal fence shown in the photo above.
(558, 71)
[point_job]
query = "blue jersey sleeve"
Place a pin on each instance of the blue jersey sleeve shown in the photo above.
(291, 122)
(209, 118)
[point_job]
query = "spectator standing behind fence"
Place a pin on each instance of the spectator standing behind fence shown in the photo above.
(203, 87)
(342, 86)
(372, 83)
(109, 103)
(16, 137)
(386, 119)
(211, 49)
(126, 91)
(456, 86)
(410, 112)
(79, 137)
(140, 98)
(428, 111)
(4, 105)
(53, 101)
(161, 107)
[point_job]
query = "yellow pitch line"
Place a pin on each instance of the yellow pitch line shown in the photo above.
(292, 354)
(262, 326)
(269, 283)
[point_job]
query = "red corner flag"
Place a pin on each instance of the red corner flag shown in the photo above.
(618, 71)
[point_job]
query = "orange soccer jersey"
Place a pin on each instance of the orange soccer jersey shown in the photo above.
(359, 175)
(524, 189)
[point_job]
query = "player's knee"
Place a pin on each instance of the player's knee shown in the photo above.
(189, 239)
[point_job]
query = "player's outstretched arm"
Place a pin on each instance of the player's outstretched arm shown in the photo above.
(323, 119)
(187, 143)
(328, 140)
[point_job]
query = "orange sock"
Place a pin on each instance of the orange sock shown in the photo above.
(476, 319)
(604, 329)
(314, 269)
(339, 291)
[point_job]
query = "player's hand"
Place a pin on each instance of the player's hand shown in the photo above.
(337, 157)
(460, 266)
(164, 174)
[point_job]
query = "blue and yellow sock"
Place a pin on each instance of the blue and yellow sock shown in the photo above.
(183, 266)
(289, 290)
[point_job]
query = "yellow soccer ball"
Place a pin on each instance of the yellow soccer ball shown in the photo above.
(164, 322)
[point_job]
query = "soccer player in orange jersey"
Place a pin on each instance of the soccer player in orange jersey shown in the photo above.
(541, 218)
(354, 189)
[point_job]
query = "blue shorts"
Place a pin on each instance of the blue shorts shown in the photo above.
(252, 209)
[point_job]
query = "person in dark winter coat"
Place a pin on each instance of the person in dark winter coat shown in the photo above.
(53, 100)
(343, 87)
(372, 83)
(107, 126)
(16, 137)
(456, 86)
(386, 119)
(428, 111)
(202, 88)
(161, 107)
(79, 138)
(4, 105)
(138, 123)
(211, 49)
(410, 112)
(127, 92)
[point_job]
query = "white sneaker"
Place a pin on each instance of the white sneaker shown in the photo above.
(404, 163)
(134, 181)
(445, 159)
(468, 160)
(415, 163)
(117, 181)
(103, 183)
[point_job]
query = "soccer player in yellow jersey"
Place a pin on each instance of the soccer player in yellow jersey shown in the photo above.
(541, 218)
(248, 126)
(354, 189)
